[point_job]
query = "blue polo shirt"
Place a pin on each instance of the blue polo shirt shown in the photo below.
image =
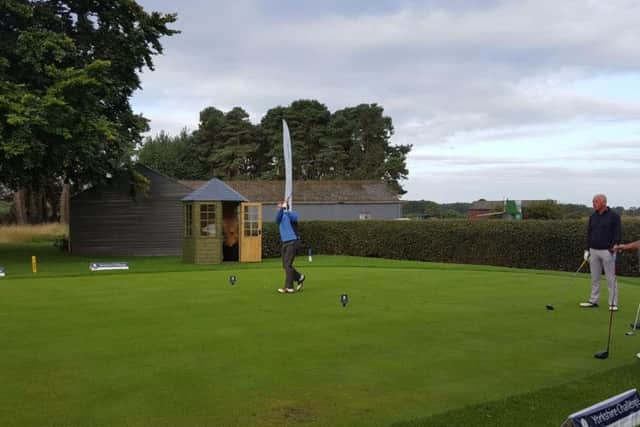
(285, 221)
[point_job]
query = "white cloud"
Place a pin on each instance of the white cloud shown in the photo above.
(627, 146)
(448, 73)
(562, 184)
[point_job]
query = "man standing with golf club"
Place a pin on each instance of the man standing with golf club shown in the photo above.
(603, 234)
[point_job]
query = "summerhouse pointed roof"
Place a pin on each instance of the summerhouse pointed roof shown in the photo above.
(215, 190)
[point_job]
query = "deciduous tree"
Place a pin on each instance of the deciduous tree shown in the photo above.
(67, 72)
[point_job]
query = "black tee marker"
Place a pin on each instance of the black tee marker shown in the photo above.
(344, 299)
(232, 280)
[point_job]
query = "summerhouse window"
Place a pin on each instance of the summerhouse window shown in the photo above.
(251, 226)
(208, 220)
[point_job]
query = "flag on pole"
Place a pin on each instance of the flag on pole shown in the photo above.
(288, 175)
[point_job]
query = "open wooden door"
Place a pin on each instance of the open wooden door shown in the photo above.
(250, 232)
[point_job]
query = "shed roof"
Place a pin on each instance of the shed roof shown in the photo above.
(215, 190)
(313, 191)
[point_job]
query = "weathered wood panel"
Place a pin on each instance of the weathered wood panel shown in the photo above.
(111, 220)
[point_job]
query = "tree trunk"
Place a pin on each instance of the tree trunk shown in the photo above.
(20, 207)
(36, 206)
(64, 204)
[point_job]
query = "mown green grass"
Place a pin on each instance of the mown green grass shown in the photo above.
(418, 342)
(544, 406)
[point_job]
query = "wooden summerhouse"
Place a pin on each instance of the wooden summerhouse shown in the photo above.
(221, 225)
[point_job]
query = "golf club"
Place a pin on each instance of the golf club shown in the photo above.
(634, 325)
(605, 354)
(550, 306)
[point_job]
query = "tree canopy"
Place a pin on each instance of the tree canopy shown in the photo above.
(67, 72)
(350, 144)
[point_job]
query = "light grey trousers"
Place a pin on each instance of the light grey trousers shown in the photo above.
(602, 259)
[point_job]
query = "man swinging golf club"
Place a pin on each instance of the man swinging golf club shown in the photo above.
(603, 234)
(287, 221)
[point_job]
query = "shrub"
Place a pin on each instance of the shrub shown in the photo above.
(538, 244)
(545, 209)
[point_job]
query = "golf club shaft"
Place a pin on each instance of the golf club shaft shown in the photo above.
(610, 322)
(573, 276)
(635, 323)
(575, 273)
(613, 300)
(580, 268)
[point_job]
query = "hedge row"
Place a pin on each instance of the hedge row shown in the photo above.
(546, 245)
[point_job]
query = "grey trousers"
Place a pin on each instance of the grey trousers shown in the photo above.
(602, 259)
(288, 255)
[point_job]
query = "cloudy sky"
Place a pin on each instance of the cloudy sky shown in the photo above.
(500, 99)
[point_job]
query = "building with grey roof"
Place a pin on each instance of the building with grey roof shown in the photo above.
(112, 220)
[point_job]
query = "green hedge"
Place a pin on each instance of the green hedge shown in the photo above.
(546, 245)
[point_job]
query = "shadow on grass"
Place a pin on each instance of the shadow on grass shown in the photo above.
(546, 407)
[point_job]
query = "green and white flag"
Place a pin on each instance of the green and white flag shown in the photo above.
(513, 208)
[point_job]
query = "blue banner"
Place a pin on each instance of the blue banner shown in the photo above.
(622, 410)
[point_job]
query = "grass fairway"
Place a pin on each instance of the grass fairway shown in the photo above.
(417, 342)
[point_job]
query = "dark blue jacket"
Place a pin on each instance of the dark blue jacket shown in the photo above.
(605, 230)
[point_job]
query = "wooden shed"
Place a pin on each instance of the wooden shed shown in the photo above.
(115, 219)
(220, 225)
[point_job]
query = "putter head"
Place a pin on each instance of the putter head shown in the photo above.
(602, 354)
(629, 333)
(549, 306)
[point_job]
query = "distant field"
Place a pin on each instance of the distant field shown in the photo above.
(418, 344)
